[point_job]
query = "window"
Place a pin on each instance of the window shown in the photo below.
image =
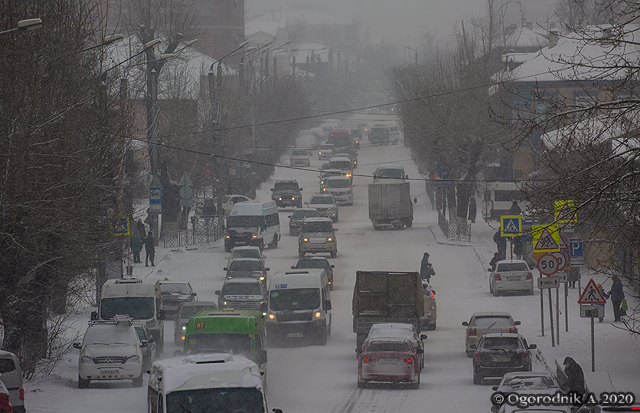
(388, 346)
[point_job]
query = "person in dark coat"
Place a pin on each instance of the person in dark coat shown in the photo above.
(150, 249)
(494, 261)
(426, 269)
(142, 232)
(501, 243)
(517, 247)
(617, 295)
(575, 377)
(472, 209)
(136, 247)
(515, 209)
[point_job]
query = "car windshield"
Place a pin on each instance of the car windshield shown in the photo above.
(230, 343)
(245, 266)
(390, 332)
(322, 226)
(109, 334)
(313, 264)
(527, 383)
(244, 221)
(388, 346)
(241, 289)
(330, 173)
(245, 254)
(174, 288)
(501, 343)
(492, 322)
(285, 186)
(378, 130)
(189, 311)
(341, 164)
(304, 213)
(512, 266)
(220, 400)
(317, 200)
(390, 173)
(138, 308)
(300, 152)
(294, 299)
(338, 183)
(141, 333)
(7, 365)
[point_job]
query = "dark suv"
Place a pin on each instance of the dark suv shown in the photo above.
(287, 193)
(316, 262)
(500, 353)
(242, 294)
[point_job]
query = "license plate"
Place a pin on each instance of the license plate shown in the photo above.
(109, 372)
(296, 335)
(501, 359)
(318, 240)
(388, 361)
(516, 278)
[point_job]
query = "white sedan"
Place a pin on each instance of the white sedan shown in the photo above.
(513, 276)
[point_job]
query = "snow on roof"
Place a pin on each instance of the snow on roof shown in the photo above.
(563, 62)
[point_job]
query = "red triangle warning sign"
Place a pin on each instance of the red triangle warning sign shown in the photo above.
(546, 241)
(591, 294)
(565, 214)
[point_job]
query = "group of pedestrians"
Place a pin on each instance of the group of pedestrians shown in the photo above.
(143, 238)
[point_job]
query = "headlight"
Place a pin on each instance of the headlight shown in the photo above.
(85, 359)
(318, 314)
(223, 303)
(329, 239)
(272, 316)
(280, 199)
(184, 328)
(293, 198)
(227, 236)
(305, 239)
(262, 278)
(348, 175)
(254, 236)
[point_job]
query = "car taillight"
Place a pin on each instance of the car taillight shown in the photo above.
(366, 360)
(498, 278)
(432, 295)
(513, 329)
(22, 394)
(529, 276)
(526, 357)
(476, 358)
(408, 360)
(472, 331)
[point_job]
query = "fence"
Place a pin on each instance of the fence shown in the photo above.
(459, 232)
(204, 232)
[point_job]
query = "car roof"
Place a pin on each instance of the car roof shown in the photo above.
(314, 258)
(174, 282)
(246, 247)
(390, 166)
(512, 335)
(246, 259)
(303, 209)
(286, 180)
(317, 219)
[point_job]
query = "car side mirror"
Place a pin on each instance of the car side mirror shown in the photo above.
(533, 346)
(419, 351)
(333, 266)
(423, 336)
(218, 292)
(267, 269)
(489, 269)
(300, 189)
(194, 294)
(327, 305)
(293, 267)
(289, 216)
(271, 189)
(406, 177)
(77, 345)
(306, 203)
(276, 410)
(415, 200)
(144, 343)
(465, 323)
(532, 267)
(225, 269)
(472, 347)
(434, 292)
(94, 315)
(517, 323)
(161, 315)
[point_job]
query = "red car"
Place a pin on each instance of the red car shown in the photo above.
(391, 360)
(5, 406)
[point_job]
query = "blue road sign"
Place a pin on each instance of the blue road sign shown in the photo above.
(575, 245)
(510, 225)
(443, 172)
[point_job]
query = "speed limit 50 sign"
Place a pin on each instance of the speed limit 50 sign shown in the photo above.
(548, 264)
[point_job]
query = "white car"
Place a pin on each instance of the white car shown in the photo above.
(528, 383)
(231, 200)
(511, 276)
(341, 189)
(110, 350)
(247, 251)
(300, 157)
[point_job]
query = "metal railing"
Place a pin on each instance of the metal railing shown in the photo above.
(454, 231)
(204, 232)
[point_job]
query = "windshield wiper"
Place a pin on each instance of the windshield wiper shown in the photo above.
(493, 324)
(185, 409)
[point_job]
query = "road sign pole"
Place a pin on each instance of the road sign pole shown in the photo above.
(511, 246)
(558, 315)
(542, 311)
(566, 314)
(553, 340)
(593, 348)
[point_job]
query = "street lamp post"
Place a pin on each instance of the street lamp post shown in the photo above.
(114, 38)
(28, 24)
(414, 50)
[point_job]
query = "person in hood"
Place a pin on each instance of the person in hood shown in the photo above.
(472, 209)
(617, 295)
(150, 249)
(426, 269)
(575, 377)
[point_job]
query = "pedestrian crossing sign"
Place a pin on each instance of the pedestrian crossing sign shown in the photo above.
(565, 212)
(546, 238)
(591, 294)
(510, 225)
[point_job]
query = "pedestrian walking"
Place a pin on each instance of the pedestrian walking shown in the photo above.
(573, 276)
(142, 233)
(426, 268)
(517, 247)
(150, 249)
(575, 377)
(472, 209)
(515, 208)
(617, 295)
(501, 243)
(136, 247)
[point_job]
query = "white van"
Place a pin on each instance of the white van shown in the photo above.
(253, 223)
(299, 305)
(216, 382)
(140, 300)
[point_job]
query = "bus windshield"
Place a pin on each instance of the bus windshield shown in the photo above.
(138, 308)
(294, 299)
(244, 221)
(226, 343)
(220, 400)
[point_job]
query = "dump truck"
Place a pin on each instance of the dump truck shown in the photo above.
(386, 297)
(390, 205)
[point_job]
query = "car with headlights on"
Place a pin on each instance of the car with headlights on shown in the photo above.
(185, 312)
(389, 360)
(325, 151)
(511, 276)
(316, 262)
(317, 236)
(173, 294)
(286, 193)
(247, 268)
(487, 322)
(500, 353)
(245, 251)
(325, 204)
(327, 173)
(243, 294)
(341, 188)
(298, 215)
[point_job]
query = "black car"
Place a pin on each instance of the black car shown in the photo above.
(350, 153)
(295, 219)
(247, 267)
(287, 194)
(500, 353)
(185, 312)
(316, 262)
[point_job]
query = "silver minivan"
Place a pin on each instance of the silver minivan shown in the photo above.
(11, 376)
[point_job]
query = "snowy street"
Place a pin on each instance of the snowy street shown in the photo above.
(310, 378)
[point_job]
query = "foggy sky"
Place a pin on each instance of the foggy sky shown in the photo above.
(398, 21)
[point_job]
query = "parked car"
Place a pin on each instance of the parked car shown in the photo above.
(185, 312)
(500, 353)
(325, 204)
(400, 330)
(5, 404)
(149, 353)
(11, 377)
(247, 267)
(295, 219)
(243, 294)
(231, 200)
(110, 350)
(325, 151)
(487, 322)
(317, 236)
(286, 193)
(327, 173)
(341, 189)
(392, 359)
(247, 251)
(316, 262)
(299, 157)
(511, 276)
(173, 294)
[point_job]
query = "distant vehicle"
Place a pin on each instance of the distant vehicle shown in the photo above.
(243, 294)
(317, 236)
(325, 204)
(253, 223)
(185, 312)
(500, 353)
(511, 276)
(175, 293)
(11, 377)
(325, 151)
(326, 173)
(247, 251)
(356, 130)
(350, 153)
(316, 262)
(391, 360)
(110, 350)
(212, 382)
(390, 205)
(149, 352)
(341, 188)
(339, 138)
(389, 172)
(499, 196)
(298, 215)
(383, 134)
(287, 193)
(231, 200)
(399, 330)
(487, 322)
(299, 157)
(247, 267)
(343, 163)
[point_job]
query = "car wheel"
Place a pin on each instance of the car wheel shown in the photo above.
(227, 248)
(300, 254)
(431, 326)
(82, 383)
(490, 287)
(469, 353)
(416, 384)
(137, 382)
(334, 254)
(477, 379)
(274, 244)
(323, 338)
(362, 384)
(409, 222)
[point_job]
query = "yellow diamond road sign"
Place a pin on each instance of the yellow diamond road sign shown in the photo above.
(565, 212)
(546, 238)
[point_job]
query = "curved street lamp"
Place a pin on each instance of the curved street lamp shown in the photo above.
(114, 38)
(28, 24)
